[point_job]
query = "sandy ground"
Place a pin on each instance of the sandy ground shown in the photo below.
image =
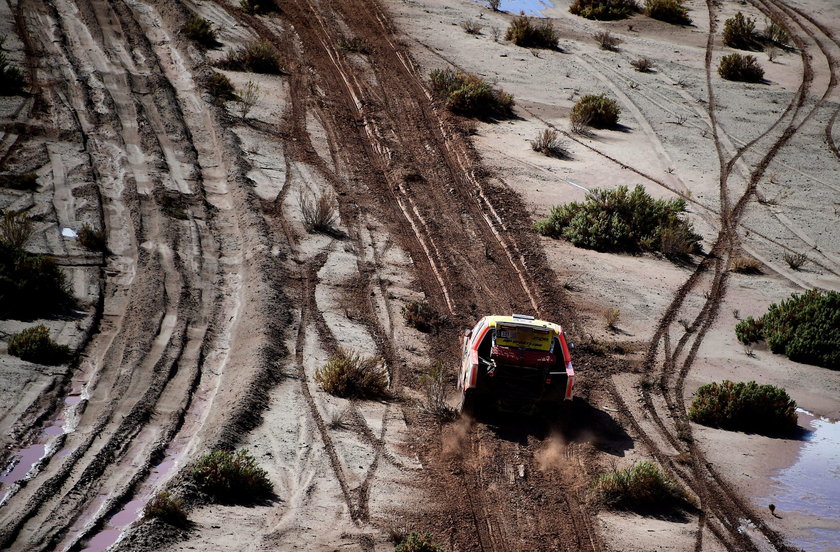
(216, 306)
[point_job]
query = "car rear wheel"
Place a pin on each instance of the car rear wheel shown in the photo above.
(470, 403)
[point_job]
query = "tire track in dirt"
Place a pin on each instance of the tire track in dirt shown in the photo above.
(716, 497)
(366, 33)
(175, 332)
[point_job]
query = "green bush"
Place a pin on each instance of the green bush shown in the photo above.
(232, 476)
(419, 315)
(670, 11)
(201, 31)
(12, 81)
(166, 508)
(642, 486)
(528, 33)
(805, 328)
(604, 10)
(748, 331)
(418, 542)
(620, 220)
(34, 345)
(739, 32)
(95, 240)
(220, 87)
(31, 286)
(741, 406)
(598, 111)
(467, 94)
(27, 181)
(736, 67)
(258, 57)
(258, 7)
(351, 376)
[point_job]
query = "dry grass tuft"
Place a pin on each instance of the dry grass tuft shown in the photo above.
(319, 214)
(15, 229)
(548, 142)
(795, 260)
(744, 264)
(351, 376)
(471, 26)
(642, 64)
(606, 40)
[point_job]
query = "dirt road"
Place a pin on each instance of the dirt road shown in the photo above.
(214, 306)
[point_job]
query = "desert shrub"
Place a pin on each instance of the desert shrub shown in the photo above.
(471, 26)
(620, 220)
(748, 331)
(433, 380)
(12, 81)
(354, 45)
(606, 40)
(419, 315)
(232, 476)
(258, 7)
(548, 142)
(34, 345)
(736, 67)
(319, 213)
(676, 240)
(776, 34)
(418, 542)
(219, 86)
(739, 32)
(26, 181)
(795, 260)
(530, 33)
(167, 508)
(349, 375)
(467, 94)
(259, 57)
(642, 64)
(31, 286)
(670, 11)
(611, 317)
(201, 30)
(604, 10)
(494, 4)
(741, 406)
(599, 110)
(642, 486)
(805, 328)
(15, 228)
(744, 264)
(95, 240)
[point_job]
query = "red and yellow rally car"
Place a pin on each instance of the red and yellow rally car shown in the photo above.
(515, 364)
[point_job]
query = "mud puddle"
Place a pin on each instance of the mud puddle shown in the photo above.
(25, 460)
(810, 488)
(128, 514)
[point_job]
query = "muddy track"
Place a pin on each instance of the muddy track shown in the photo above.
(154, 348)
(722, 507)
(408, 162)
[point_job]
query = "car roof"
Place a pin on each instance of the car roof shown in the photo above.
(495, 319)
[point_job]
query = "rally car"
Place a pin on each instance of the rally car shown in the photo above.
(515, 364)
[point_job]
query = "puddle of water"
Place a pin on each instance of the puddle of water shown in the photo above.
(24, 461)
(529, 7)
(131, 512)
(811, 486)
